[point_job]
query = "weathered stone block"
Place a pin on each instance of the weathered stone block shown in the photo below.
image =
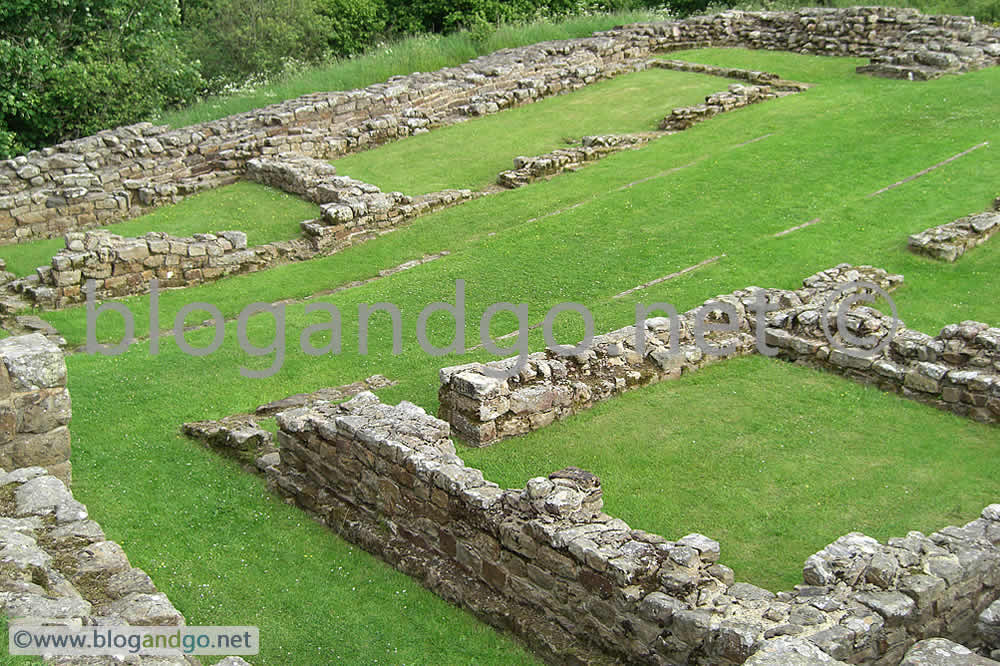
(41, 411)
(789, 651)
(895, 607)
(33, 362)
(44, 449)
(943, 652)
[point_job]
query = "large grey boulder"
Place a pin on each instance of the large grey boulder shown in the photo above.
(989, 626)
(942, 652)
(790, 651)
(33, 362)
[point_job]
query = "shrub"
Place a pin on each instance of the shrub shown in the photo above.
(72, 67)
(350, 26)
(234, 39)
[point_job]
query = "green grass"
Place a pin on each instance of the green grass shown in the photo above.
(429, 162)
(227, 551)
(424, 53)
(753, 451)
(676, 458)
(264, 213)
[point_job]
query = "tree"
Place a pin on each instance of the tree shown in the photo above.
(234, 39)
(72, 67)
(350, 26)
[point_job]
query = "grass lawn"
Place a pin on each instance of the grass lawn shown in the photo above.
(429, 162)
(264, 213)
(753, 451)
(773, 460)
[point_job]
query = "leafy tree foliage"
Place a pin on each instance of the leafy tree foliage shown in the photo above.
(349, 26)
(234, 39)
(72, 67)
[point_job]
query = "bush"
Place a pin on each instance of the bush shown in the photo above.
(236, 39)
(95, 90)
(351, 26)
(73, 67)
(413, 16)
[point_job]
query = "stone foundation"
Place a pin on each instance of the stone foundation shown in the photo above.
(352, 212)
(581, 586)
(736, 97)
(950, 241)
(124, 172)
(592, 148)
(483, 410)
(751, 76)
(957, 370)
(57, 567)
(35, 406)
(122, 266)
(241, 435)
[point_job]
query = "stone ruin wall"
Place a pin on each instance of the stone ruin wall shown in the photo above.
(57, 567)
(124, 172)
(592, 148)
(581, 586)
(35, 406)
(950, 241)
(120, 266)
(550, 387)
(351, 212)
(958, 370)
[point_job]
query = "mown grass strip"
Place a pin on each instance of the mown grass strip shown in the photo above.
(797, 227)
(627, 104)
(676, 274)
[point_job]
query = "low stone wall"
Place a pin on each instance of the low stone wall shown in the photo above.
(35, 406)
(352, 212)
(124, 172)
(57, 566)
(736, 97)
(581, 586)
(950, 241)
(482, 410)
(958, 370)
(241, 435)
(551, 387)
(592, 148)
(901, 43)
(122, 266)
(752, 76)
